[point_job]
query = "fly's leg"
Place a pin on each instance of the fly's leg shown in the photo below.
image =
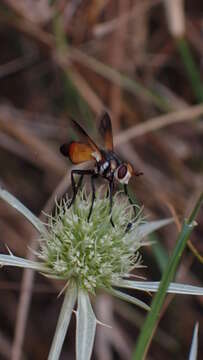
(131, 202)
(129, 199)
(75, 186)
(93, 177)
(111, 201)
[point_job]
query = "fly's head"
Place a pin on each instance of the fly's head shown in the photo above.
(124, 172)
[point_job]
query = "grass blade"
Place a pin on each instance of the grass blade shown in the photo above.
(153, 317)
(159, 252)
(191, 68)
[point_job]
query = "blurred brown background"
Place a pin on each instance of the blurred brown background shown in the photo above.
(142, 60)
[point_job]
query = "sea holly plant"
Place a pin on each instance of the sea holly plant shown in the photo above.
(89, 256)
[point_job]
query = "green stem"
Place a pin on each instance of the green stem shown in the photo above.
(191, 68)
(152, 319)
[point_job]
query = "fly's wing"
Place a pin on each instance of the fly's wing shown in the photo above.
(105, 129)
(85, 136)
(79, 152)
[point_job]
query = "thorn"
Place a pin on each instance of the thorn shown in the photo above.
(9, 251)
(63, 289)
(105, 325)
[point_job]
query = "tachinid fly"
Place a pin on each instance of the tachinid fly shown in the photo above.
(107, 163)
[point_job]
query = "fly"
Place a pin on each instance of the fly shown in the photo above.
(108, 165)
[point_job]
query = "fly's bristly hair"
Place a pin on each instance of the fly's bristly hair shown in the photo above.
(107, 163)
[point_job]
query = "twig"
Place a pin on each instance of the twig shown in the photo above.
(159, 122)
(40, 150)
(117, 45)
(16, 65)
(5, 347)
(74, 54)
(109, 26)
(39, 12)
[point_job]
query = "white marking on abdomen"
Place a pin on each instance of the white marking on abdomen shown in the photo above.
(97, 156)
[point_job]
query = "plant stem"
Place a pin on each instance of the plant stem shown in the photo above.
(152, 319)
(191, 68)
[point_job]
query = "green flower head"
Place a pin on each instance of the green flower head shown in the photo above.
(94, 254)
(88, 256)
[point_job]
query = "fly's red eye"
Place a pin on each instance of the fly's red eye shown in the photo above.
(122, 171)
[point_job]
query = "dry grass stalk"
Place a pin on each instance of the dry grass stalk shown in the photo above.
(176, 17)
(159, 122)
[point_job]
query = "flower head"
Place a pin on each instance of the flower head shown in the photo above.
(94, 254)
(88, 256)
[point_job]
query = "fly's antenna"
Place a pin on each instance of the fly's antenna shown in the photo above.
(139, 173)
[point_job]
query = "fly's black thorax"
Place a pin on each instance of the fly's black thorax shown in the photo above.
(108, 164)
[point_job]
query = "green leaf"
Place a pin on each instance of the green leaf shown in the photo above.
(86, 327)
(11, 260)
(194, 345)
(153, 317)
(152, 286)
(16, 204)
(63, 321)
(130, 299)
